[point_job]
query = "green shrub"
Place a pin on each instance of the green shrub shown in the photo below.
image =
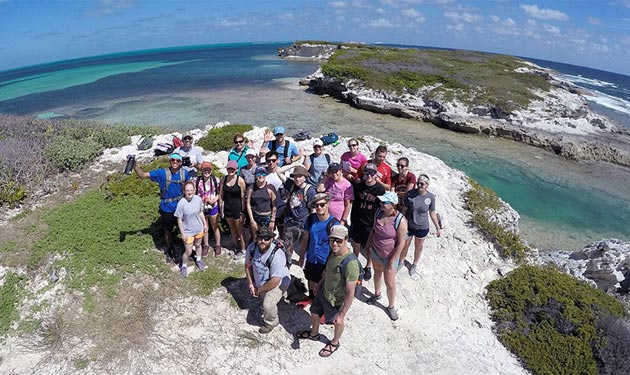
(221, 139)
(67, 153)
(10, 296)
(121, 185)
(111, 136)
(11, 192)
(481, 202)
(549, 319)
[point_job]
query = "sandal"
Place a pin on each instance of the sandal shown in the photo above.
(372, 300)
(328, 350)
(306, 334)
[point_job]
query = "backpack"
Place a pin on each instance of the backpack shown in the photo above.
(213, 182)
(177, 142)
(145, 143)
(329, 138)
(397, 219)
(331, 223)
(278, 245)
(163, 149)
(285, 152)
(312, 157)
(343, 267)
(182, 179)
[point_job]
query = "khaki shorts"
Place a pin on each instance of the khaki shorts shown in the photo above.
(191, 239)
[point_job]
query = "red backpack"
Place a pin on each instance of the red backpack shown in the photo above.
(177, 142)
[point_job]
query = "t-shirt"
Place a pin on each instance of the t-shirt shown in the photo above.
(334, 284)
(238, 157)
(318, 247)
(366, 203)
(418, 207)
(261, 273)
(297, 206)
(400, 184)
(356, 162)
(174, 188)
(248, 175)
(189, 213)
(319, 166)
(338, 192)
(292, 152)
(195, 155)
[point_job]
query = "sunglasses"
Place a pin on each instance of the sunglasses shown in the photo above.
(421, 184)
(317, 146)
(319, 205)
(401, 165)
(176, 160)
(338, 241)
(206, 170)
(272, 160)
(238, 142)
(261, 174)
(263, 238)
(353, 144)
(280, 135)
(370, 173)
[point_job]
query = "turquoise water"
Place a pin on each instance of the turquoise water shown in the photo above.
(563, 204)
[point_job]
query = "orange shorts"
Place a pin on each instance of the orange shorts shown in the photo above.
(191, 239)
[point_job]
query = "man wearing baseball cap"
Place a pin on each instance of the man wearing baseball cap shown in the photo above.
(288, 152)
(317, 163)
(170, 180)
(191, 155)
(335, 292)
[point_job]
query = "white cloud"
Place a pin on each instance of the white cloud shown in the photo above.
(338, 4)
(544, 14)
(286, 16)
(231, 23)
(381, 23)
(552, 29)
(380, 10)
(412, 13)
(594, 21)
(462, 17)
(456, 27)
(391, 3)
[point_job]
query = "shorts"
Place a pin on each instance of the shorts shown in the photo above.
(191, 239)
(168, 221)
(320, 306)
(313, 272)
(419, 233)
(376, 257)
(211, 212)
(360, 234)
(262, 220)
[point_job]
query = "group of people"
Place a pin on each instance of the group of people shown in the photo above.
(327, 211)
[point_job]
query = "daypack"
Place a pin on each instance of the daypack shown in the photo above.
(278, 245)
(397, 219)
(330, 138)
(169, 175)
(163, 149)
(145, 143)
(312, 157)
(177, 142)
(213, 182)
(343, 267)
(331, 223)
(285, 152)
(302, 136)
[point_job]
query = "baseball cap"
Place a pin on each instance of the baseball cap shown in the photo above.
(260, 169)
(251, 151)
(318, 142)
(334, 168)
(231, 165)
(175, 156)
(264, 232)
(370, 167)
(318, 197)
(338, 231)
(206, 165)
(278, 130)
(187, 137)
(389, 197)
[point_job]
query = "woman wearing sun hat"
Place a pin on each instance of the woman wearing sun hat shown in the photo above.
(385, 244)
(419, 205)
(208, 189)
(232, 200)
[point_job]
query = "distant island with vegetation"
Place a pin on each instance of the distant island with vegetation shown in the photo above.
(466, 91)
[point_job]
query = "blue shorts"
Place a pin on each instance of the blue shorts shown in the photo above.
(382, 260)
(211, 212)
(419, 233)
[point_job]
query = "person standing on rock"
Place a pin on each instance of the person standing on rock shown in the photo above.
(317, 163)
(238, 153)
(232, 202)
(352, 161)
(208, 189)
(248, 172)
(340, 192)
(419, 205)
(384, 171)
(192, 225)
(170, 180)
(261, 202)
(267, 275)
(404, 181)
(335, 290)
(192, 156)
(288, 152)
(385, 244)
(364, 208)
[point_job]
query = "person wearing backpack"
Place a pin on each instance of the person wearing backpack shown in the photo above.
(208, 188)
(261, 202)
(335, 290)
(314, 246)
(289, 150)
(170, 180)
(317, 163)
(385, 244)
(267, 275)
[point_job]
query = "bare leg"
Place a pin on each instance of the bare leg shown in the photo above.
(378, 278)
(315, 324)
(390, 285)
(419, 244)
(214, 224)
(206, 236)
(405, 250)
(187, 252)
(338, 331)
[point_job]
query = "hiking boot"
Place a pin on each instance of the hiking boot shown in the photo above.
(200, 265)
(413, 270)
(266, 329)
(204, 250)
(393, 313)
(367, 273)
(217, 250)
(183, 271)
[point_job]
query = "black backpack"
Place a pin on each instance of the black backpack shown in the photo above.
(331, 223)
(285, 152)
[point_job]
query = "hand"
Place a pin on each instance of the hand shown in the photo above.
(268, 135)
(379, 175)
(253, 291)
(338, 319)
(439, 232)
(287, 160)
(184, 237)
(272, 225)
(205, 228)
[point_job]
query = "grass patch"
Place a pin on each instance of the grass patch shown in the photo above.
(474, 78)
(222, 139)
(550, 319)
(210, 279)
(482, 202)
(10, 296)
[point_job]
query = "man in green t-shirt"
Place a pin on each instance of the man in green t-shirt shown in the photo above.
(335, 291)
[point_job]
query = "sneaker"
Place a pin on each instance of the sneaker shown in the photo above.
(393, 313)
(183, 271)
(200, 265)
(413, 270)
(367, 273)
(266, 329)
(372, 300)
(217, 250)
(204, 250)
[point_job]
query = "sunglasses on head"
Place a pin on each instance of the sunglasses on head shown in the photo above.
(338, 241)
(319, 205)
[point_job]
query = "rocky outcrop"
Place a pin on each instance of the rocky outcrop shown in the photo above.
(560, 122)
(308, 51)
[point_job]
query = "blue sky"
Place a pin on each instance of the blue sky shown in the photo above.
(581, 32)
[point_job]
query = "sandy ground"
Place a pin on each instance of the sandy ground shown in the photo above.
(444, 325)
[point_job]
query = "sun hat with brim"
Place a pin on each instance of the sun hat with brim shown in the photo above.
(231, 165)
(338, 231)
(206, 165)
(389, 197)
(175, 156)
(300, 171)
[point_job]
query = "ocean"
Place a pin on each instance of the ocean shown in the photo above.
(563, 204)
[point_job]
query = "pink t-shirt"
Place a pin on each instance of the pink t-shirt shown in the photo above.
(355, 162)
(338, 192)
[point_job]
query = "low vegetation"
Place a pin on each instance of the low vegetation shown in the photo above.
(222, 139)
(482, 203)
(558, 325)
(474, 78)
(10, 296)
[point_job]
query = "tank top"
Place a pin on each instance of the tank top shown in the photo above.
(231, 194)
(260, 199)
(384, 237)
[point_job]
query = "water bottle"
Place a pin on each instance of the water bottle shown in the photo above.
(131, 162)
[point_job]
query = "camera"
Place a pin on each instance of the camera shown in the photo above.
(186, 161)
(131, 162)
